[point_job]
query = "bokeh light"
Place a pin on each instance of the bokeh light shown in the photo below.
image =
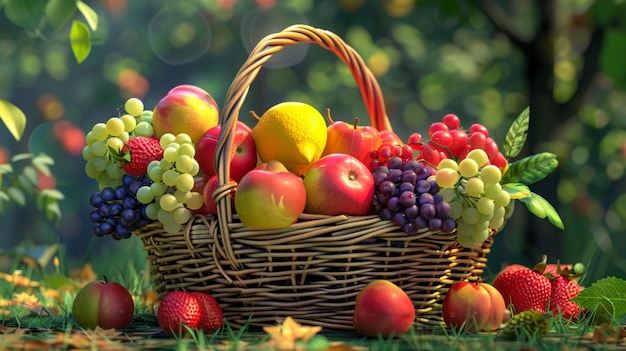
(179, 33)
(261, 21)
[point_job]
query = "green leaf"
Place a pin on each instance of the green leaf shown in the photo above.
(25, 13)
(42, 162)
(516, 136)
(21, 157)
(531, 169)
(17, 195)
(52, 194)
(59, 12)
(80, 40)
(6, 168)
(516, 190)
(612, 47)
(90, 15)
(606, 296)
(53, 211)
(541, 208)
(13, 118)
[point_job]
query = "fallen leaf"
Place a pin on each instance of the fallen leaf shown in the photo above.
(285, 336)
(16, 278)
(84, 274)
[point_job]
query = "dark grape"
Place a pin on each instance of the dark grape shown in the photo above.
(399, 219)
(406, 186)
(448, 225)
(434, 224)
(443, 208)
(385, 214)
(105, 210)
(116, 208)
(420, 223)
(395, 162)
(106, 228)
(437, 198)
(393, 204)
(127, 179)
(133, 187)
(411, 212)
(95, 216)
(434, 187)
(413, 165)
(387, 187)
(121, 192)
(108, 194)
(407, 199)
(409, 176)
(428, 211)
(130, 203)
(379, 177)
(96, 200)
(426, 198)
(395, 175)
(128, 217)
(409, 228)
(422, 186)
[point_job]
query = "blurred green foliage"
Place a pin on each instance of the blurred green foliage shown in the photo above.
(485, 61)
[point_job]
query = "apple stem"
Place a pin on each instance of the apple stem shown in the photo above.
(104, 277)
(356, 122)
(254, 115)
(330, 120)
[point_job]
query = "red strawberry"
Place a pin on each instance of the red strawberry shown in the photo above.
(176, 309)
(524, 288)
(138, 153)
(564, 288)
(211, 314)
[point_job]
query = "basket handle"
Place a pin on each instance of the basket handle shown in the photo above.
(263, 51)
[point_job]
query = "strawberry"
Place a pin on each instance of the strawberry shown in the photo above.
(138, 153)
(524, 288)
(176, 309)
(564, 288)
(211, 314)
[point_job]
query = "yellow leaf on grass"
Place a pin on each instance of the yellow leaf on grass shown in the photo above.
(285, 336)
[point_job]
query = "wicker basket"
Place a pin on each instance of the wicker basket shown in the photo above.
(314, 269)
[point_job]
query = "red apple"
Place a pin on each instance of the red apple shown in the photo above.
(339, 184)
(207, 194)
(185, 109)
(269, 197)
(104, 304)
(345, 138)
(476, 307)
(383, 308)
(243, 157)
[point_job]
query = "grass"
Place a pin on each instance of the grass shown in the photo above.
(36, 299)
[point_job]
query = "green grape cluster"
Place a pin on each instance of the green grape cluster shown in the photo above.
(107, 138)
(477, 201)
(170, 198)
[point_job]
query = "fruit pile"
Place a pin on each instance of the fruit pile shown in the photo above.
(158, 165)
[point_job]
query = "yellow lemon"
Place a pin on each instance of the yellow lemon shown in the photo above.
(293, 133)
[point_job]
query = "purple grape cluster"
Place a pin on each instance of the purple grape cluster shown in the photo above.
(116, 211)
(406, 196)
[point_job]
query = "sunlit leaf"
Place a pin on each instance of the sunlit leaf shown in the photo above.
(53, 211)
(80, 40)
(6, 168)
(516, 190)
(13, 118)
(531, 169)
(25, 13)
(17, 195)
(42, 162)
(90, 15)
(541, 208)
(59, 12)
(516, 136)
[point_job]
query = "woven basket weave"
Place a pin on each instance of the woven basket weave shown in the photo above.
(314, 269)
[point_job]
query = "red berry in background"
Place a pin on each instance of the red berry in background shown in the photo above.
(442, 139)
(414, 138)
(141, 151)
(491, 148)
(452, 121)
(211, 317)
(431, 154)
(459, 141)
(478, 128)
(177, 309)
(478, 140)
(500, 161)
(436, 127)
